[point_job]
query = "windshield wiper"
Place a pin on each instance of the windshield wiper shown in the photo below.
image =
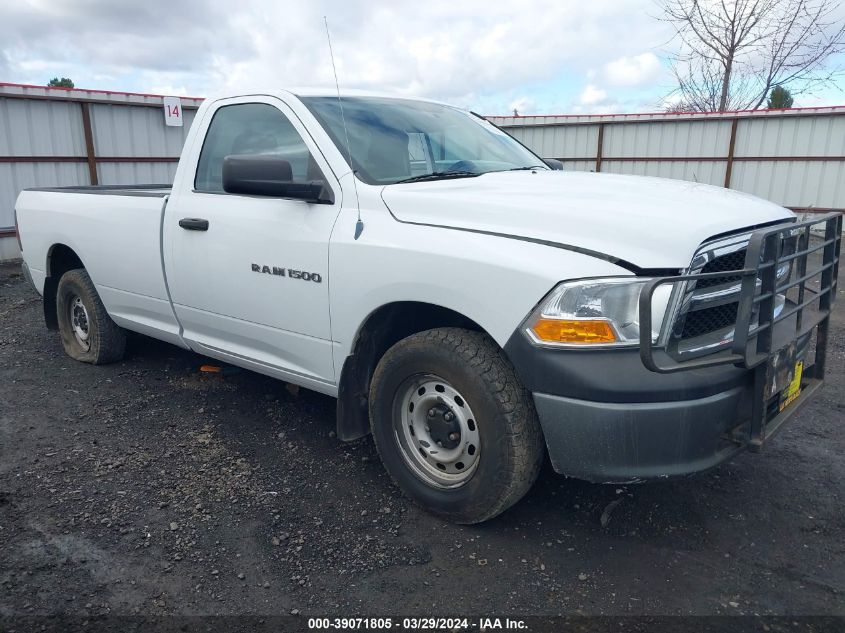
(439, 175)
(545, 167)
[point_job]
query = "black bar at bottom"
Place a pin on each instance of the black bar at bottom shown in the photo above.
(424, 622)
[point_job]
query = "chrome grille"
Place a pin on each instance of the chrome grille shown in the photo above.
(708, 320)
(707, 309)
(731, 261)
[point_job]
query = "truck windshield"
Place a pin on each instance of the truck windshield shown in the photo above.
(396, 140)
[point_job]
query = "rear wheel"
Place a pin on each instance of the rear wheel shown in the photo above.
(453, 425)
(88, 333)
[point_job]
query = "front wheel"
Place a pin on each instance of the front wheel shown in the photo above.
(453, 425)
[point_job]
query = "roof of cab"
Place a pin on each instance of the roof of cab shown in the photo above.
(306, 92)
(351, 92)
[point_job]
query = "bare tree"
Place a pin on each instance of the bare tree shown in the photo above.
(733, 52)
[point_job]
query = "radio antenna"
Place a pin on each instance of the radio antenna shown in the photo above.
(359, 225)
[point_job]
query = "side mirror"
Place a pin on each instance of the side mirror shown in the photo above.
(269, 175)
(554, 164)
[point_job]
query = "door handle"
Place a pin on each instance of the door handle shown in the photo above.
(194, 224)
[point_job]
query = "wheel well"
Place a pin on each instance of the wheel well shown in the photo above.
(382, 329)
(60, 259)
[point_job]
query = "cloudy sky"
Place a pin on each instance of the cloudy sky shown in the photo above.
(493, 56)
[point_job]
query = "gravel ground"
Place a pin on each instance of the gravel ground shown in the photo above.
(148, 487)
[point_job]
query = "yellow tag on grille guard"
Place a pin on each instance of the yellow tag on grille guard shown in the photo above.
(793, 390)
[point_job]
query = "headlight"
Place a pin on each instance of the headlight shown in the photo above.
(595, 312)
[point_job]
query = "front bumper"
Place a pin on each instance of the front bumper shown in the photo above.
(608, 442)
(632, 442)
(627, 414)
(606, 418)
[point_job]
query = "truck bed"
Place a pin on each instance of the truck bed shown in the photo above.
(116, 233)
(146, 191)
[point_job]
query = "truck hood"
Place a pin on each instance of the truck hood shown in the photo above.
(646, 222)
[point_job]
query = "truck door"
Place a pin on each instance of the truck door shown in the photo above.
(247, 274)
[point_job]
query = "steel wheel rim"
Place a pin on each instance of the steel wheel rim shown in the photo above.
(436, 431)
(79, 322)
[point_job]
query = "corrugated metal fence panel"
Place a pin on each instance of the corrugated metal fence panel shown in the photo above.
(795, 158)
(40, 128)
(48, 123)
(707, 172)
(791, 136)
(579, 165)
(136, 131)
(682, 139)
(15, 177)
(559, 141)
(793, 183)
(9, 249)
(136, 173)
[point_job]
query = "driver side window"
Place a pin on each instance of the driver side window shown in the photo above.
(251, 128)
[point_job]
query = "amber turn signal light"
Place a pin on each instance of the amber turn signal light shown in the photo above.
(573, 331)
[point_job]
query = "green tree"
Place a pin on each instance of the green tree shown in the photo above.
(64, 82)
(779, 99)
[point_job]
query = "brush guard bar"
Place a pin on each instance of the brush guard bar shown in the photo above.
(764, 336)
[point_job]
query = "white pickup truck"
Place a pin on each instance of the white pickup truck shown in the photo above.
(473, 308)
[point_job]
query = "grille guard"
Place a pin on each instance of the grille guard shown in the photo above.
(754, 346)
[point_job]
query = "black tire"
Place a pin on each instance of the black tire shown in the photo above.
(106, 341)
(511, 449)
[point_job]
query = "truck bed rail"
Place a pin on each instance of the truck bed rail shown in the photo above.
(147, 191)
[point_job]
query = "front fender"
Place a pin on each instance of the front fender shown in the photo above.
(493, 281)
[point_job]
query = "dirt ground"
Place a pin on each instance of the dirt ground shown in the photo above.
(147, 487)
